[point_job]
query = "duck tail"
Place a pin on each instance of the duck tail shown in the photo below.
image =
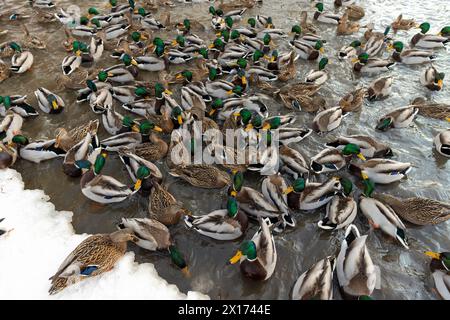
(354, 169)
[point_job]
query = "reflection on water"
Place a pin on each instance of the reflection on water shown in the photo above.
(404, 273)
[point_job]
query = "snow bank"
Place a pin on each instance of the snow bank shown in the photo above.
(40, 240)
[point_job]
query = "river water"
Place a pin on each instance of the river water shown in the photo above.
(405, 273)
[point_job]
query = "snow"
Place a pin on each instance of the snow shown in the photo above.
(42, 237)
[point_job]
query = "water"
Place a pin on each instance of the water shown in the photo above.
(404, 273)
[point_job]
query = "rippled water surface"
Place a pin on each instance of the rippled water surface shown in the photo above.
(404, 273)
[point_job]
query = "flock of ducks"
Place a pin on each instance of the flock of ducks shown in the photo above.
(228, 77)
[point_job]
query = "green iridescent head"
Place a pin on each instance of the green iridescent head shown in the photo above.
(347, 186)
(203, 52)
(126, 59)
(113, 3)
(187, 75)
(187, 24)
(398, 46)
(96, 22)
(181, 40)
(369, 186)
(159, 90)
(141, 12)
(232, 207)
(296, 29)
(229, 22)
(146, 126)
(318, 45)
(212, 10)
(13, 45)
(6, 100)
(127, 121)
(235, 35)
(273, 123)
(242, 63)
(217, 104)
(225, 35)
(99, 163)
(257, 121)
(20, 139)
(322, 63)
(136, 36)
(355, 44)
(157, 41)
(424, 27)
(91, 85)
(238, 180)
(84, 20)
(143, 173)
(177, 258)
(445, 31)
(248, 250)
(238, 90)
(160, 50)
(251, 22)
(299, 185)
(141, 92)
(258, 54)
(212, 74)
(266, 39)
(351, 149)
(93, 11)
(218, 44)
(385, 123)
(319, 6)
(102, 76)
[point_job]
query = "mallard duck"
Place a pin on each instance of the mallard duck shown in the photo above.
(306, 26)
(312, 195)
(331, 159)
(101, 188)
(9, 153)
(341, 210)
(380, 88)
(410, 56)
(290, 71)
(353, 101)
(10, 126)
(117, 73)
(382, 216)
(432, 79)
(84, 150)
(355, 12)
(427, 41)
(325, 17)
(31, 41)
(351, 51)
(382, 171)
(306, 50)
(16, 104)
(48, 101)
(272, 188)
(221, 89)
(433, 110)
(257, 257)
(21, 61)
(327, 120)
(375, 43)
(100, 100)
(222, 224)
(442, 143)
(134, 164)
(417, 210)
(202, 176)
(292, 162)
(369, 147)
(115, 123)
(153, 235)
(371, 66)
(320, 76)
(153, 150)
(399, 118)
(254, 204)
(357, 275)
(4, 71)
(303, 102)
(93, 256)
(316, 282)
(67, 139)
(440, 266)
(42, 4)
(300, 89)
(402, 24)
(40, 150)
(163, 206)
(346, 27)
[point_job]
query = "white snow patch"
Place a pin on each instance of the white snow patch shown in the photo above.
(40, 240)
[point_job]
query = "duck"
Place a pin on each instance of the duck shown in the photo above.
(223, 224)
(153, 235)
(93, 256)
(48, 101)
(154, 149)
(291, 135)
(85, 150)
(303, 102)
(327, 120)
(312, 195)
(163, 206)
(8, 151)
(17, 104)
(439, 267)
(399, 118)
(134, 164)
(445, 32)
(442, 143)
(258, 256)
(346, 27)
(380, 88)
(427, 41)
(21, 61)
(254, 204)
(432, 79)
(142, 138)
(71, 63)
(31, 41)
(365, 65)
(417, 210)
(375, 40)
(100, 100)
(300, 89)
(307, 51)
(382, 216)
(355, 12)
(331, 159)
(40, 150)
(42, 4)
(350, 51)
(202, 176)
(272, 188)
(368, 146)
(325, 17)
(353, 100)
(115, 123)
(101, 188)
(432, 110)
(10, 126)
(341, 210)
(356, 273)
(306, 26)
(320, 76)
(65, 140)
(410, 56)
(4, 71)
(403, 24)
(316, 283)
(293, 163)
(381, 171)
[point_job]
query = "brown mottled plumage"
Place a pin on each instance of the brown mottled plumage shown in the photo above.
(154, 150)
(67, 139)
(202, 176)
(163, 206)
(353, 100)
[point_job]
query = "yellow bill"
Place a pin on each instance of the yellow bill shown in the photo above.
(360, 155)
(138, 184)
(54, 104)
(167, 91)
(110, 74)
(322, 50)
(135, 128)
(134, 62)
(236, 258)
(266, 126)
(288, 190)
(354, 60)
(440, 83)
(180, 119)
(244, 80)
(249, 127)
(179, 76)
(233, 193)
(157, 129)
(433, 255)
(230, 92)
(186, 272)
(364, 175)
(211, 112)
